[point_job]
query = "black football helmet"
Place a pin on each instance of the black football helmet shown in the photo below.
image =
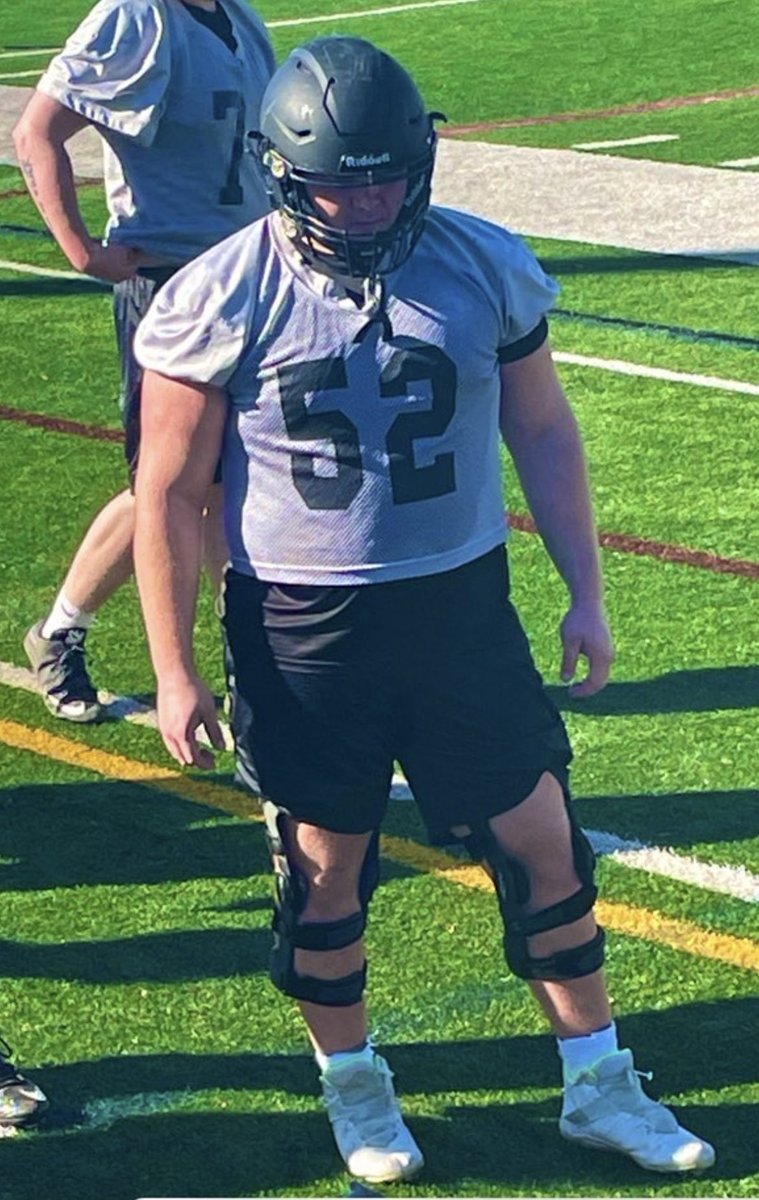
(342, 112)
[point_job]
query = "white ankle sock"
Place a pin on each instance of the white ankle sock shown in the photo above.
(576, 1053)
(65, 615)
(325, 1060)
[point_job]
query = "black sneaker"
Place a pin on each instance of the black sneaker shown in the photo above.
(61, 670)
(21, 1101)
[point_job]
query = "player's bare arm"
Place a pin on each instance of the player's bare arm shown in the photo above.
(182, 426)
(40, 139)
(541, 433)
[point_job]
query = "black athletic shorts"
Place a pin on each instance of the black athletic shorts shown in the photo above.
(330, 685)
(131, 300)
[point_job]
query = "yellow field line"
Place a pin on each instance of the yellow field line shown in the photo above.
(623, 918)
(116, 766)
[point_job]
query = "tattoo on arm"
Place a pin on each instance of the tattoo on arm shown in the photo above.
(27, 170)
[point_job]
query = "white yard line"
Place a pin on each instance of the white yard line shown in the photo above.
(618, 366)
(387, 10)
(46, 272)
(657, 860)
(101, 1114)
(741, 162)
(649, 139)
(28, 53)
(22, 74)
(621, 367)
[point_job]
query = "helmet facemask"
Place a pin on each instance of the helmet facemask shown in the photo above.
(342, 113)
(339, 251)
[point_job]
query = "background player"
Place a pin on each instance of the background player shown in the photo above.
(171, 86)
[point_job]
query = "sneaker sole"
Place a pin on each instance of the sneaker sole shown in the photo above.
(386, 1178)
(597, 1144)
(25, 1120)
(92, 713)
(89, 715)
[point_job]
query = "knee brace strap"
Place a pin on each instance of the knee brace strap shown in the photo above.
(290, 934)
(562, 964)
(513, 890)
(336, 993)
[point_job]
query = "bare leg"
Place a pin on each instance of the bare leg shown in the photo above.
(331, 862)
(367, 1124)
(103, 561)
(538, 834)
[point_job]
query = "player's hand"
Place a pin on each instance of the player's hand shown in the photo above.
(184, 706)
(113, 263)
(585, 634)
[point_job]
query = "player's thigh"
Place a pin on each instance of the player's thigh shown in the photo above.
(311, 721)
(131, 300)
(483, 729)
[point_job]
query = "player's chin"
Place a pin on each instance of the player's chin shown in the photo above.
(367, 230)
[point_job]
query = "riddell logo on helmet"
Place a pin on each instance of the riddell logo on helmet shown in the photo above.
(361, 161)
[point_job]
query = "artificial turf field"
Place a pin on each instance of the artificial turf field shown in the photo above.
(134, 938)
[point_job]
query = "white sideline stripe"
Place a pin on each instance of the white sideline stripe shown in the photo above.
(632, 141)
(369, 12)
(658, 860)
(389, 10)
(620, 367)
(22, 74)
(48, 272)
(741, 162)
(101, 1114)
(29, 53)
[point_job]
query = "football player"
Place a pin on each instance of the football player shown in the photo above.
(171, 86)
(21, 1101)
(362, 353)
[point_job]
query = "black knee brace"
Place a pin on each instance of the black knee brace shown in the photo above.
(291, 894)
(513, 889)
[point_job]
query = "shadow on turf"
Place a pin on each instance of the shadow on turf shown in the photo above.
(112, 832)
(710, 689)
(682, 819)
(175, 957)
(513, 1145)
(28, 288)
(620, 264)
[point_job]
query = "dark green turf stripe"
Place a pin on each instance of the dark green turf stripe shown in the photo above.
(681, 332)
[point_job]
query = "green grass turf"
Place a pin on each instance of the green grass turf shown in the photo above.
(698, 293)
(542, 56)
(163, 927)
(134, 936)
(708, 134)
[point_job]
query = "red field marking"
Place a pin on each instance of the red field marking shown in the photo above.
(98, 433)
(623, 542)
(12, 193)
(664, 551)
(618, 110)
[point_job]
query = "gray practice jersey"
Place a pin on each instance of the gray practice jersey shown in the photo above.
(173, 104)
(361, 445)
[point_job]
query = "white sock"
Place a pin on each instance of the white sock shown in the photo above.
(326, 1060)
(576, 1053)
(65, 615)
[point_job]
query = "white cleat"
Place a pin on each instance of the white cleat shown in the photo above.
(375, 1143)
(606, 1108)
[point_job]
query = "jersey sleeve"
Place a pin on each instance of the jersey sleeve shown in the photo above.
(527, 295)
(195, 328)
(114, 69)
